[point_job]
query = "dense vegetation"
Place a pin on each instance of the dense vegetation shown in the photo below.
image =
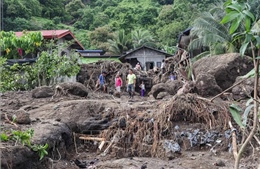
(94, 22)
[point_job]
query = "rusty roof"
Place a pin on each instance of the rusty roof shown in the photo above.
(50, 34)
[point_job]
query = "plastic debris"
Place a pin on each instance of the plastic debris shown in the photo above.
(171, 146)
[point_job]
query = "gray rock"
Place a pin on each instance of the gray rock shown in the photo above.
(23, 118)
(206, 85)
(224, 68)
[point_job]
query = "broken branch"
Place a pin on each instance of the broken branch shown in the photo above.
(9, 121)
(227, 89)
(234, 139)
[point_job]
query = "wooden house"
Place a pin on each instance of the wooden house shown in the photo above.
(147, 57)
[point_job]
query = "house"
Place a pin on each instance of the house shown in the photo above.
(61, 36)
(148, 57)
(91, 56)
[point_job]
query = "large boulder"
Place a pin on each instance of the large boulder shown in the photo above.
(74, 88)
(170, 87)
(224, 68)
(206, 85)
(42, 92)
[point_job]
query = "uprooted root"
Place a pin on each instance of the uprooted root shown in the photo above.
(193, 109)
(144, 133)
(60, 91)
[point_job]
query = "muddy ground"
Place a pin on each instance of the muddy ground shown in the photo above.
(60, 121)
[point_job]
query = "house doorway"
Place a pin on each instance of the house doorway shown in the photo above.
(149, 65)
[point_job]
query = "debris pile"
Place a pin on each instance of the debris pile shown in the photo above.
(89, 74)
(154, 134)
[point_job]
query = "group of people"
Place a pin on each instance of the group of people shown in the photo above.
(130, 83)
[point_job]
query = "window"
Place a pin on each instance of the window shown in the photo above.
(158, 64)
(149, 65)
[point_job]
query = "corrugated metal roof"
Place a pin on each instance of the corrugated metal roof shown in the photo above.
(50, 34)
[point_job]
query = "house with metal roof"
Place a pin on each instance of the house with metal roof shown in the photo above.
(147, 57)
(60, 36)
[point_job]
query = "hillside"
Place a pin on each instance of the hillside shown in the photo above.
(94, 22)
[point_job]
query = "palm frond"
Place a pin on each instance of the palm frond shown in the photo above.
(204, 54)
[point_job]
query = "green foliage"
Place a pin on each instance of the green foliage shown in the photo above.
(120, 43)
(142, 37)
(236, 114)
(10, 43)
(164, 19)
(23, 137)
(4, 137)
(73, 6)
(41, 150)
(99, 37)
(48, 67)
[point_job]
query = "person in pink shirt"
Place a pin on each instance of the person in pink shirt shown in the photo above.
(118, 82)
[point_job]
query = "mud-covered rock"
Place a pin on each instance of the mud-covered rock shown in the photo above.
(21, 157)
(245, 89)
(162, 95)
(55, 134)
(206, 85)
(42, 92)
(73, 88)
(170, 87)
(224, 68)
(122, 122)
(23, 118)
(117, 94)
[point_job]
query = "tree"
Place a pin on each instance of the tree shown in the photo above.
(51, 9)
(142, 37)
(86, 18)
(73, 7)
(99, 37)
(207, 31)
(22, 8)
(238, 15)
(120, 43)
(10, 44)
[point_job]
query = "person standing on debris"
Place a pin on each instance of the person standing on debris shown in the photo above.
(138, 66)
(130, 82)
(163, 66)
(102, 81)
(142, 86)
(118, 82)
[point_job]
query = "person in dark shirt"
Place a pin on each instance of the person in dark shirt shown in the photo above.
(102, 81)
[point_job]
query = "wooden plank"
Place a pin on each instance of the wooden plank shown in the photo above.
(92, 138)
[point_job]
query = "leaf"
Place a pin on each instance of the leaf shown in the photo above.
(229, 17)
(234, 26)
(247, 24)
(45, 146)
(249, 14)
(249, 101)
(257, 41)
(235, 7)
(235, 112)
(249, 74)
(243, 48)
(245, 114)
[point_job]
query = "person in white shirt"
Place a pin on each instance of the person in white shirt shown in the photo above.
(163, 66)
